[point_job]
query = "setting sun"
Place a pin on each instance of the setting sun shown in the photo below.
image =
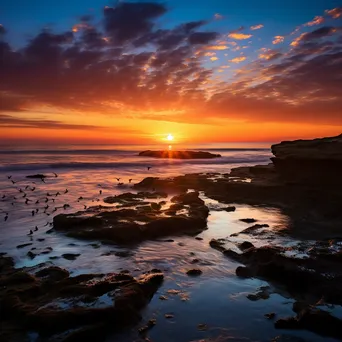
(169, 137)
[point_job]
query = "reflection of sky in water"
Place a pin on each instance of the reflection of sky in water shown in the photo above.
(216, 298)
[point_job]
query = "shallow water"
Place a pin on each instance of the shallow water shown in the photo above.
(217, 298)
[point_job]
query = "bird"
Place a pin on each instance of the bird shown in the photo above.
(55, 209)
(148, 168)
(65, 206)
(130, 180)
(53, 200)
(80, 198)
(36, 228)
(100, 192)
(3, 196)
(14, 198)
(85, 207)
(9, 177)
(46, 200)
(37, 201)
(120, 184)
(26, 201)
(66, 191)
(46, 207)
(57, 193)
(24, 195)
(30, 233)
(20, 190)
(33, 212)
(13, 182)
(37, 210)
(48, 194)
(6, 217)
(46, 224)
(26, 187)
(12, 203)
(32, 189)
(55, 174)
(118, 179)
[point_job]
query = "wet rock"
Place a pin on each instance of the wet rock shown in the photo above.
(245, 245)
(189, 198)
(194, 261)
(123, 254)
(229, 209)
(169, 315)
(179, 154)
(24, 245)
(163, 298)
(53, 273)
(70, 256)
(313, 319)
(217, 245)
(263, 293)
(248, 220)
(194, 272)
(253, 229)
(244, 272)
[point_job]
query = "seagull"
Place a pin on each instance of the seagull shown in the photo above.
(48, 194)
(65, 206)
(85, 207)
(46, 200)
(57, 193)
(148, 168)
(26, 187)
(20, 190)
(3, 196)
(66, 191)
(37, 201)
(80, 198)
(100, 192)
(55, 174)
(47, 223)
(130, 180)
(118, 179)
(32, 189)
(36, 228)
(37, 210)
(33, 212)
(9, 177)
(13, 182)
(24, 195)
(46, 207)
(53, 200)
(6, 217)
(30, 233)
(55, 209)
(26, 201)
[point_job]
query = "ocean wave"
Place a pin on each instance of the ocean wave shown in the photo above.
(132, 165)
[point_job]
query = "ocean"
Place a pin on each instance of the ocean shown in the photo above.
(87, 174)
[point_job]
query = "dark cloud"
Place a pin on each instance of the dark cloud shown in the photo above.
(2, 30)
(202, 38)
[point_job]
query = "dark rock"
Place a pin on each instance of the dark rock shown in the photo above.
(229, 209)
(25, 245)
(150, 324)
(70, 256)
(123, 254)
(53, 273)
(248, 220)
(198, 238)
(194, 272)
(244, 272)
(245, 245)
(270, 315)
(189, 198)
(179, 154)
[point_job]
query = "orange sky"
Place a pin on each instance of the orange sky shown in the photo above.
(200, 81)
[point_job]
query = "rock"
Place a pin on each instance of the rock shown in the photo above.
(150, 324)
(317, 161)
(198, 238)
(168, 315)
(270, 315)
(70, 256)
(53, 273)
(179, 154)
(123, 254)
(217, 245)
(38, 175)
(202, 327)
(229, 209)
(194, 272)
(244, 272)
(25, 245)
(245, 245)
(163, 298)
(253, 229)
(40, 239)
(190, 198)
(248, 220)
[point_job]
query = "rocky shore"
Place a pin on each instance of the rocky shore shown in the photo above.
(303, 182)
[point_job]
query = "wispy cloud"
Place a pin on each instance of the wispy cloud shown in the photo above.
(278, 40)
(316, 21)
(257, 27)
(335, 13)
(238, 59)
(239, 36)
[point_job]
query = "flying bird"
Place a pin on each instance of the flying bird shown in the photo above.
(26, 187)
(118, 179)
(9, 177)
(130, 180)
(148, 168)
(13, 182)
(55, 174)
(66, 191)
(36, 228)
(6, 217)
(30, 233)
(33, 212)
(100, 192)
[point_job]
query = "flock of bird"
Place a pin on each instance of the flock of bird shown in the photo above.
(45, 203)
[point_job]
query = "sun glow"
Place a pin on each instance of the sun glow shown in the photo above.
(169, 137)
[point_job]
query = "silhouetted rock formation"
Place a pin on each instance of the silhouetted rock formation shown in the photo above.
(317, 161)
(179, 154)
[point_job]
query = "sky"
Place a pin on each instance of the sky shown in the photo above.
(136, 72)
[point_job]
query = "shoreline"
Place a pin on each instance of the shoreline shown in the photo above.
(256, 186)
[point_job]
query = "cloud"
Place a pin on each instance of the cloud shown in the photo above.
(317, 34)
(238, 59)
(335, 13)
(239, 36)
(278, 40)
(316, 21)
(269, 54)
(2, 29)
(218, 16)
(213, 59)
(217, 47)
(256, 27)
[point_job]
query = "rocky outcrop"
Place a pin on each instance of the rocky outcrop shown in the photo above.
(317, 161)
(179, 154)
(53, 304)
(133, 225)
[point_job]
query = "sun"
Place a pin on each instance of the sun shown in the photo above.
(169, 137)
